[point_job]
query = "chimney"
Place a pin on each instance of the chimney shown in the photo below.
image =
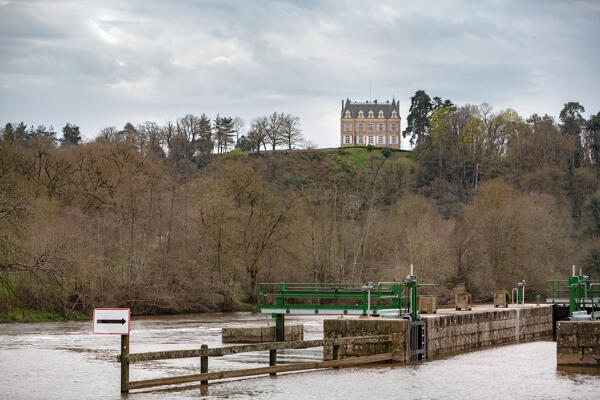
(342, 104)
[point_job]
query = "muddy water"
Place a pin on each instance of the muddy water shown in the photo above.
(65, 361)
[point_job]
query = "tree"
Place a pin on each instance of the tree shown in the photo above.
(592, 139)
(275, 129)
(572, 123)
(205, 142)
(290, 131)
(244, 144)
(223, 133)
(418, 117)
(258, 132)
(238, 127)
(71, 134)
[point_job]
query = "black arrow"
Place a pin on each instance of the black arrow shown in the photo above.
(111, 321)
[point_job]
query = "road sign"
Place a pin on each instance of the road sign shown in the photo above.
(111, 321)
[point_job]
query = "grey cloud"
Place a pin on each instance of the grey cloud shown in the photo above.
(128, 60)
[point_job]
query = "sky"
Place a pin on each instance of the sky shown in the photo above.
(103, 63)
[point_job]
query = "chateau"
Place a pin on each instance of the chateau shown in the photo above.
(370, 123)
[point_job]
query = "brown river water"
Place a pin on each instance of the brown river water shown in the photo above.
(64, 360)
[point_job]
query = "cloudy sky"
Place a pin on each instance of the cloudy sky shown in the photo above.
(100, 63)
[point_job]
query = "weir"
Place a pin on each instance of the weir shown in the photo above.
(387, 327)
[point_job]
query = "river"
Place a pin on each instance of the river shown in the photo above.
(64, 360)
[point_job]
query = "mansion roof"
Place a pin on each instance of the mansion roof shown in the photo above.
(374, 106)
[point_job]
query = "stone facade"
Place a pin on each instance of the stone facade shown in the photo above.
(370, 123)
(578, 343)
(260, 334)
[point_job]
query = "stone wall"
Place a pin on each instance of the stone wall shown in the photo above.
(460, 332)
(260, 333)
(578, 343)
(348, 327)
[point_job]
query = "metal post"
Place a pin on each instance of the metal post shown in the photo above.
(279, 328)
(273, 360)
(204, 364)
(124, 363)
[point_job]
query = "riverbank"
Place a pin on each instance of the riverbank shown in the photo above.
(25, 315)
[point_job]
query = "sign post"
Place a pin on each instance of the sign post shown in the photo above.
(115, 321)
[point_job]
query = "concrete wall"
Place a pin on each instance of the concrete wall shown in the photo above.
(347, 327)
(459, 332)
(260, 333)
(578, 343)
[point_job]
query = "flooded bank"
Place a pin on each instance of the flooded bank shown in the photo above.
(63, 360)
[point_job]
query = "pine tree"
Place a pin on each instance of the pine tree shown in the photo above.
(71, 134)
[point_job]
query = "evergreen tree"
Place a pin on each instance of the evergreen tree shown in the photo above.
(71, 134)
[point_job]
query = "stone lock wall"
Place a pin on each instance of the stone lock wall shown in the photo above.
(578, 343)
(347, 327)
(461, 332)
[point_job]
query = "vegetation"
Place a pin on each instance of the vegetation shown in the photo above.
(153, 218)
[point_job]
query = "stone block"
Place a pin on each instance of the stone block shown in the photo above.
(500, 300)
(427, 305)
(462, 301)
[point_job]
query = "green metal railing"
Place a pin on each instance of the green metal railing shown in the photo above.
(578, 291)
(339, 298)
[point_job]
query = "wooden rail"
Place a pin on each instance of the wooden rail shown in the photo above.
(204, 353)
(228, 350)
(260, 371)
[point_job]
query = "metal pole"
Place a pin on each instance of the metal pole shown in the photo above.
(124, 363)
(368, 302)
(279, 328)
(204, 363)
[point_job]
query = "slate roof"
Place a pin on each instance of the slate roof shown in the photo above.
(354, 108)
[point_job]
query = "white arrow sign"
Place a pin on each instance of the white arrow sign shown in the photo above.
(111, 321)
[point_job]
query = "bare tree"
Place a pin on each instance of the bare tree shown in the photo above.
(238, 127)
(258, 132)
(290, 131)
(275, 129)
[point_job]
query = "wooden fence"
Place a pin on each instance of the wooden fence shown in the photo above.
(204, 353)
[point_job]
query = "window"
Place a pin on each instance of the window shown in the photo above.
(370, 139)
(380, 141)
(393, 127)
(347, 128)
(370, 127)
(360, 140)
(347, 114)
(394, 114)
(370, 114)
(380, 115)
(348, 139)
(360, 127)
(360, 114)
(380, 127)
(394, 139)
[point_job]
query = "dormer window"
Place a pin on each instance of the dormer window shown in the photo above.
(347, 115)
(370, 114)
(380, 115)
(394, 114)
(360, 114)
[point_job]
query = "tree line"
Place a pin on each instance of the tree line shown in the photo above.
(153, 218)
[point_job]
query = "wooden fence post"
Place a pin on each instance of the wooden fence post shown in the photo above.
(124, 363)
(336, 352)
(204, 363)
(272, 360)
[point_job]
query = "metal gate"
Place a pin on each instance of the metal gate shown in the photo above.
(418, 341)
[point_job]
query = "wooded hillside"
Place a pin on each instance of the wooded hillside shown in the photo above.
(485, 199)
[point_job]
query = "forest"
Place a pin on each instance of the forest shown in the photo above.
(189, 216)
